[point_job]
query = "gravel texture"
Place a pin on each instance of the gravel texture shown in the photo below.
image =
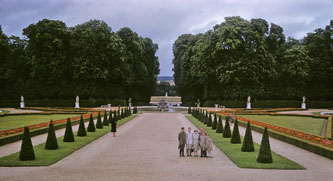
(146, 149)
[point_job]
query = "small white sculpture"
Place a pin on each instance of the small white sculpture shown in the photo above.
(130, 102)
(22, 102)
(166, 94)
(77, 103)
(248, 106)
(303, 106)
(249, 99)
(304, 99)
(22, 99)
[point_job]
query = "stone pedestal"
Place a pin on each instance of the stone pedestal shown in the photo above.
(21, 104)
(216, 107)
(303, 106)
(248, 106)
(77, 105)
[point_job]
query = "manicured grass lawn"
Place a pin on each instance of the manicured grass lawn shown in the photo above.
(48, 157)
(244, 159)
(304, 124)
(9, 122)
(328, 130)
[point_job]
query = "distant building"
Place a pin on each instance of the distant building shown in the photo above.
(165, 79)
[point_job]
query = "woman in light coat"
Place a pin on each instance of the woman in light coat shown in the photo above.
(209, 146)
(195, 137)
(189, 142)
(203, 144)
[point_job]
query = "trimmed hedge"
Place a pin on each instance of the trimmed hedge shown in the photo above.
(27, 150)
(312, 147)
(17, 137)
(51, 140)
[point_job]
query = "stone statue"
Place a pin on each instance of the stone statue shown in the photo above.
(304, 99)
(249, 99)
(22, 99)
(130, 100)
(22, 102)
(166, 94)
(77, 99)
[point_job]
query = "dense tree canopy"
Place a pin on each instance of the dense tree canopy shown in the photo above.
(54, 61)
(239, 58)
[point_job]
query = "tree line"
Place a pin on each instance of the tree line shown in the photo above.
(53, 61)
(238, 58)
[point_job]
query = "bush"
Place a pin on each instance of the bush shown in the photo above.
(91, 125)
(69, 136)
(51, 140)
(235, 139)
(99, 124)
(189, 111)
(105, 120)
(215, 122)
(248, 140)
(27, 150)
(115, 116)
(265, 154)
(219, 128)
(82, 128)
(227, 131)
(135, 110)
(110, 116)
(209, 121)
(205, 119)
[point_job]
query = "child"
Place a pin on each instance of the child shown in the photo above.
(114, 127)
(182, 141)
(209, 146)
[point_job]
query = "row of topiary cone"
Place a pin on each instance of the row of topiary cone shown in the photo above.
(27, 152)
(265, 154)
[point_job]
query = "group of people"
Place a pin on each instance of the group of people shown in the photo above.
(195, 141)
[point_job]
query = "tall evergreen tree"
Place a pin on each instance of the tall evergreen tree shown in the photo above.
(27, 150)
(219, 128)
(51, 140)
(265, 154)
(248, 141)
(235, 139)
(105, 120)
(99, 124)
(215, 122)
(227, 131)
(209, 121)
(91, 125)
(69, 136)
(82, 128)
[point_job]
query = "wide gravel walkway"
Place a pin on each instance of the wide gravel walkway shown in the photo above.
(146, 149)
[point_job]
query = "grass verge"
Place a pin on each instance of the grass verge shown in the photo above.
(244, 159)
(48, 157)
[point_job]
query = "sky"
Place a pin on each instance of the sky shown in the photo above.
(164, 20)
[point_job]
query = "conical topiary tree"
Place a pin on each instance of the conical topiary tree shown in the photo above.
(235, 138)
(265, 154)
(189, 111)
(82, 128)
(27, 150)
(214, 122)
(105, 119)
(110, 116)
(99, 124)
(219, 128)
(91, 125)
(227, 131)
(69, 136)
(248, 141)
(115, 116)
(51, 140)
(135, 110)
(210, 121)
(205, 119)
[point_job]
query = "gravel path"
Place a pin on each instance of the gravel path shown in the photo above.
(146, 149)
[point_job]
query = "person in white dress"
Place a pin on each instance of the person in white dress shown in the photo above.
(189, 142)
(196, 137)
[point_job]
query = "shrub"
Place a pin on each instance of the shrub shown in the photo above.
(219, 128)
(69, 136)
(135, 110)
(209, 121)
(82, 128)
(99, 124)
(51, 140)
(215, 122)
(189, 111)
(265, 154)
(27, 150)
(205, 119)
(110, 116)
(227, 131)
(115, 117)
(248, 141)
(91, 125)
(235, 139)
(105, 120)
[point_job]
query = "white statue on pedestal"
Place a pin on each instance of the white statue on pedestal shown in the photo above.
(130, 102)
(166, 94)
(22, 102)
(198, 103)
(248, 106)
(77, 102)
(303, 106)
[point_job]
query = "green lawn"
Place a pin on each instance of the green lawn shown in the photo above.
(303, 124)
(244, 159)
(48, 157)
(9, 122)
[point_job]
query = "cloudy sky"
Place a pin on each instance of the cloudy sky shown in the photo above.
(164, 20)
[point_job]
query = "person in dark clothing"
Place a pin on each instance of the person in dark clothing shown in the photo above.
(182, 142)
(114, 128)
